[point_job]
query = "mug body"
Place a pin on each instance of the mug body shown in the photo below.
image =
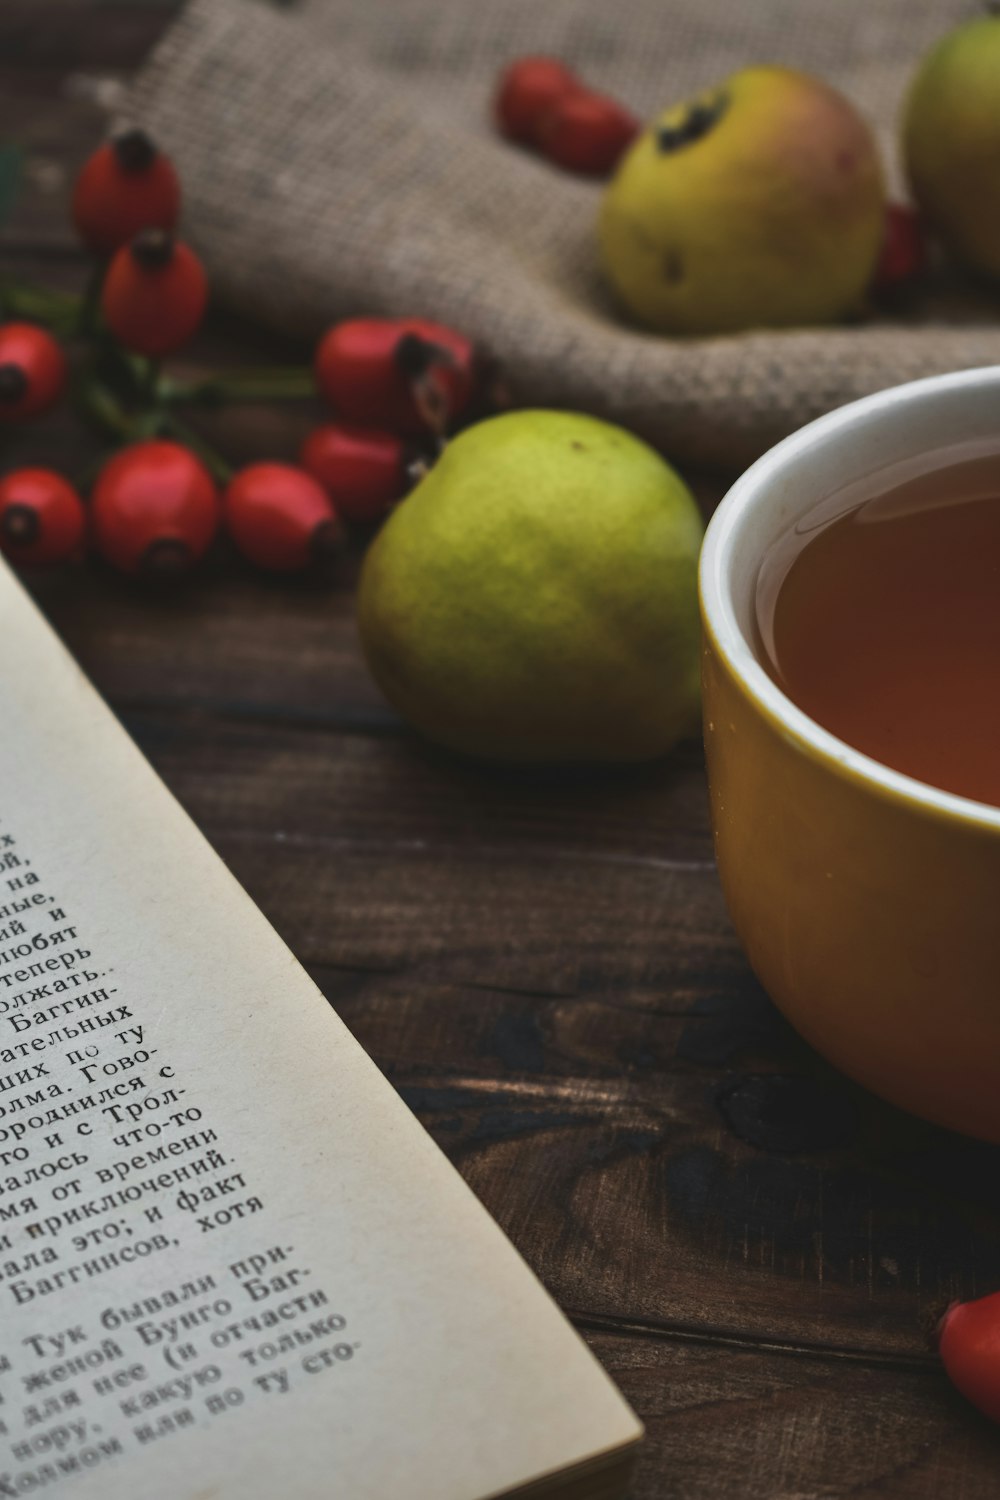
(868, 903)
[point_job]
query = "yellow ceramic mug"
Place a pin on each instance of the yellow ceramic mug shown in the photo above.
(868, 903)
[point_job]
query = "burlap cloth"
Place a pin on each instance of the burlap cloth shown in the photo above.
(338, 159)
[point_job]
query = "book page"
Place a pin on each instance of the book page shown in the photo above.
(231, 1261)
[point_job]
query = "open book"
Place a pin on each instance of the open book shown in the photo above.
(232, 1264)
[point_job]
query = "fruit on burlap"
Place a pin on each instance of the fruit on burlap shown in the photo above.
(758, 204)
(951, 141)
(535, 597)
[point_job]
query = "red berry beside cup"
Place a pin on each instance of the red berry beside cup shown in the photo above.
(969, 1344)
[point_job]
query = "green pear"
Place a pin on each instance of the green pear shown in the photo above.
(759, 204)
(535, 597)
(951, 141)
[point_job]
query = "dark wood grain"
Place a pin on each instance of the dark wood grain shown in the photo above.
(543, 966)
(725, 1420)
(63, 36)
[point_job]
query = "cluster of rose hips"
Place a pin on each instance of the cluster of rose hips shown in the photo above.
(397, 387)
(542, 104)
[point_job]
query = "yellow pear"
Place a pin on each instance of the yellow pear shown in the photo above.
(535, 597)
(951, 141)
(759, 204)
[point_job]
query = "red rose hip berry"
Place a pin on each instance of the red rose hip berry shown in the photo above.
(41, 517)
(527, 90)
(32, 371)
(154, 294)
(364, 471)
(587, 133)
(407, 375)
(969, 1345)
(904, 249)
(127, 185)
(281, 517)
(155, 509)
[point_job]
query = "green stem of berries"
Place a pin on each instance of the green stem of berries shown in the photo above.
(57, 311)
(70, 316)
(292, 383)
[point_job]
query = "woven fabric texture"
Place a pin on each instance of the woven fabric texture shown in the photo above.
(338, 159)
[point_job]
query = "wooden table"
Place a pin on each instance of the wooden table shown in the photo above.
(543, 966)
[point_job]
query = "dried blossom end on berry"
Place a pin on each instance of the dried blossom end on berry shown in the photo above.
(20, 526)
(13, 384)
(134, 150)
(153, 249)
(166, 559)
(415, 355)
(327, 542)
(41, 517)
(33, 371)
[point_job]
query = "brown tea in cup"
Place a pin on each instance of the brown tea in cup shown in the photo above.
(880, 618)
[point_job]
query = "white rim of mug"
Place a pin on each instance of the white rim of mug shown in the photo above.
(720, 617)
